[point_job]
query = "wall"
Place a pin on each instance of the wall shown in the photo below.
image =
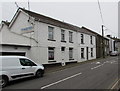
(41, 35)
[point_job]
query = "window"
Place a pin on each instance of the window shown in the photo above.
(62, 49)
(62, 35)
(91, 52)
(70, 37)
(82, 52)
(70, 53)
(50, 33)
(26, 62)
(51, 53)
(91, 41)
(82, 39)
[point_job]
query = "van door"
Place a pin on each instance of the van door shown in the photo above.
(12, 66)
(27, 66)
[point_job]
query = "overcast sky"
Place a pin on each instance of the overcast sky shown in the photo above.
(81, 13)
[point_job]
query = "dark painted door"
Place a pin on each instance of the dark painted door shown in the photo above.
(87, 52)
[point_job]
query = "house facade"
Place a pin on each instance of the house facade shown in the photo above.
(99, 44)
(114, 43)
(46, 40)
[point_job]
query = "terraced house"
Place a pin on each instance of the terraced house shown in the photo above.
(45, 39)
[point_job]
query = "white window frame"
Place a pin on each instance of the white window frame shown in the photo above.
(70, 53)
(62, 35)
(70, 36)
(51, 51)
(50, 33)
(91, 40)
(91, 52)
(82, 53)
(82, 38)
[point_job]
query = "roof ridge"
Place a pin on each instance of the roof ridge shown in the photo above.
(55, 22)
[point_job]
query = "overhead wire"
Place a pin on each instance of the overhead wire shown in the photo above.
(100, 12)
(103, 19)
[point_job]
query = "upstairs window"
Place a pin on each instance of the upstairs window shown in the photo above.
(62, 35)
(91, 40)
(50, 33)
(82, 39)
(70, 37)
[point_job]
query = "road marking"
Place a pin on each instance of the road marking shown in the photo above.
(96, 66)
(115, 84)
(60, 81)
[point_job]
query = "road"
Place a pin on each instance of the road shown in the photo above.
(91, 75)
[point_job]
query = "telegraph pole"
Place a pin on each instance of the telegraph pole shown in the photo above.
(28, 5)
(16, 5)
(103, 45)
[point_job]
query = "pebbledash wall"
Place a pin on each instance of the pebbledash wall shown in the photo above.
(28, 34)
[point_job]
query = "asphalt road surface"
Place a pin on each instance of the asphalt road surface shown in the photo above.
(92, 75)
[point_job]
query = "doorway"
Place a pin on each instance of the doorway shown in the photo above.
(63, 53)
(87, 52)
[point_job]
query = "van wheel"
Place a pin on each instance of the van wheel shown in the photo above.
(39, 74)
(3, 81)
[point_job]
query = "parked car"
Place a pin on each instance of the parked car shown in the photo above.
(17, 67)
(114, 53)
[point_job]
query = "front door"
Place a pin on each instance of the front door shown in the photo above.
(63, 53)
(27, 66)
(87, 52)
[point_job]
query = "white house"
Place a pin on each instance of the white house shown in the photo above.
(46, 40)
(113, 43)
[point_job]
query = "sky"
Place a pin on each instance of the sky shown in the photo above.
(80, 13)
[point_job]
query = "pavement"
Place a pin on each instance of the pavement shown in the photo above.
(99, 74)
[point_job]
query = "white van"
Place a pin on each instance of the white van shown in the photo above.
(17, 67)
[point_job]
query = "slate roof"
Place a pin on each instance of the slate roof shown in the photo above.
(58, 23)
(51, 21)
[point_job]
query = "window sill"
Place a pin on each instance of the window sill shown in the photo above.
(51, 40)
(63, 41)
(71, 59)
(82, 43)
(71, 42)
(51, 61)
